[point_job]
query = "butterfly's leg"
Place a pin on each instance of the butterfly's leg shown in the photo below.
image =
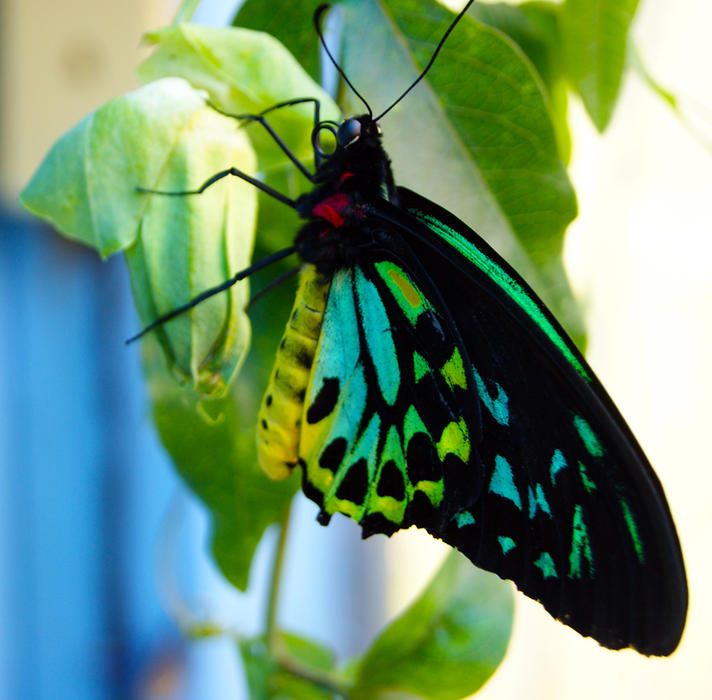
(277, 139)
(219, 176)
(260, 264)
(318, 154)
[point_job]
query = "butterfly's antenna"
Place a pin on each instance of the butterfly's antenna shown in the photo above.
(215, 290)
(317, 25)
(432, 59)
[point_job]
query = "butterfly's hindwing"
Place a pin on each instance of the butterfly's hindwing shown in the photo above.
(388, 430)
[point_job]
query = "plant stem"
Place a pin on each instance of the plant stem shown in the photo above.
(185, 11)
(277, 572)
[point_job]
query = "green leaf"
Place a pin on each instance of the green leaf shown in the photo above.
(534, 27)
(161, 136)
(85, 186)
(446, 644)
(290, 21)
(267, 680)
(594, 34)
(243, 72)
(212, 444)
(475, 135)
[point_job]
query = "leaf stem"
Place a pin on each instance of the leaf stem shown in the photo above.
(271, 631)
(326, 681)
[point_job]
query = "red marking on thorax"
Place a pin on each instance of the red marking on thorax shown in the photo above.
(345, 176)
(333, 209)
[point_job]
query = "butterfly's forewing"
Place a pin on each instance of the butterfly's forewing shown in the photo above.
(570, 509)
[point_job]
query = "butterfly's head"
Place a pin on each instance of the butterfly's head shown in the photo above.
(352, 130)
(331, 138)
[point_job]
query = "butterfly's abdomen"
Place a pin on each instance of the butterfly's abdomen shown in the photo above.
(280, 415)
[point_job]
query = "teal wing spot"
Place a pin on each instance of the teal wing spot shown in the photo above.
(498, 406)
(420, 366)
(558, 462)
(339, 346)
(464, 518)
(511, 287)
(506, 543)
(546, 565)
(590, 441)
(337, 357)
(537, 500)
(589, 485)
(379, 339)
(354, 397)
(580, 546)
(502, 482)
(633, 530)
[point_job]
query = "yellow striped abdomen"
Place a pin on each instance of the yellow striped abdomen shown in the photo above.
(280, 416)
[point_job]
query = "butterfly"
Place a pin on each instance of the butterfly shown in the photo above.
(421, 381)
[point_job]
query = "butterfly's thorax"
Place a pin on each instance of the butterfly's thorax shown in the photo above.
(336, 209)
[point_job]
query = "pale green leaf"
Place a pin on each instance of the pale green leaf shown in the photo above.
(595, 33)
(446, 644)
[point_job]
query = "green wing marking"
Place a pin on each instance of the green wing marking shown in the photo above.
(505, 282)
(371, 444)
(580, 546)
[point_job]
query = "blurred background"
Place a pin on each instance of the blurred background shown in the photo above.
(86, 491)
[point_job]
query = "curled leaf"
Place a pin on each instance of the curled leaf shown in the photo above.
(161, 136)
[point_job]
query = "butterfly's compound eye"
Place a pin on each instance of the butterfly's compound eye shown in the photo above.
(349, 131)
